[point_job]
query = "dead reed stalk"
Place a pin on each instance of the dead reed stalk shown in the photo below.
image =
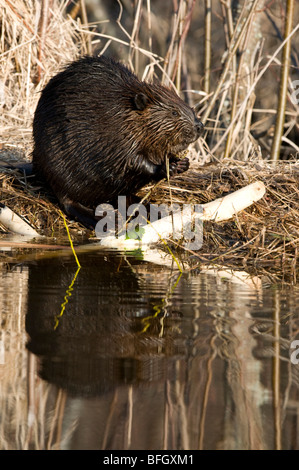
(36, 40)
(229, 109)
(284, 77)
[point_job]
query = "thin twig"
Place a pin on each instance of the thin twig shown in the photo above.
(280, 117)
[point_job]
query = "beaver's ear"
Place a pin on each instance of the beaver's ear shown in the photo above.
(140, 101)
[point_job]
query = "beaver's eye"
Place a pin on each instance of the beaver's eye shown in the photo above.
(175, 113)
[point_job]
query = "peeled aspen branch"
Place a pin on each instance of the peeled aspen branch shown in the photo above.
(226, 207)
(14, 223)
(219, 210)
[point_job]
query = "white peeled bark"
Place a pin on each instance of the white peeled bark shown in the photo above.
(159, 257)
(219, 210)
(15, 224)
(226, 207)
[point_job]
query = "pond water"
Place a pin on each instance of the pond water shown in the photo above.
(124, 354)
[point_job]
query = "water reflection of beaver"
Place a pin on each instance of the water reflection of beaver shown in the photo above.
(100, 132)
(105, 330)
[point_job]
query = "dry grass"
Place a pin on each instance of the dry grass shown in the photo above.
(35, 205)
(235, 93)
(35, 44)
(24, 69)
(264, 236)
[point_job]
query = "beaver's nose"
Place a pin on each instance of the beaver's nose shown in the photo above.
(199, 127)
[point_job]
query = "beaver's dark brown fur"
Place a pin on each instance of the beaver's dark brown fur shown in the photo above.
(99, 132)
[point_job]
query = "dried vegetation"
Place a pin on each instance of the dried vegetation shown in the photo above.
(226, 62)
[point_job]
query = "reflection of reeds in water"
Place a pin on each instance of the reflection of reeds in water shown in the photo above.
(225, 387)
(13, 295)
(229, 384)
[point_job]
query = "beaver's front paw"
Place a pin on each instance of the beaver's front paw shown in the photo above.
(178, 166)
(182, 166)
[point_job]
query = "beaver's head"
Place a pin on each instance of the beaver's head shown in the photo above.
(166, 123)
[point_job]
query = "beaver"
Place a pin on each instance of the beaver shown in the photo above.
(100, 132)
